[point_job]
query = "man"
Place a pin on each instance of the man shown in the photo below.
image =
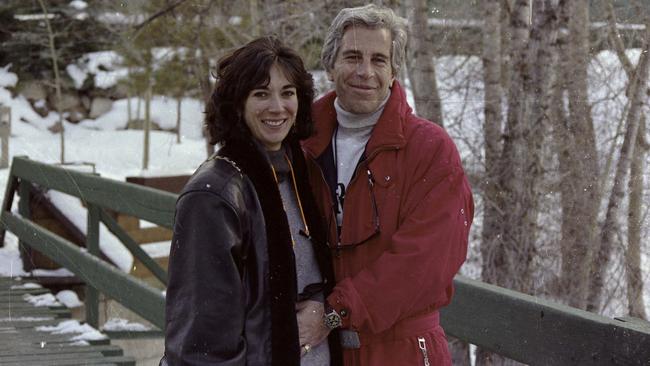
(394, 192)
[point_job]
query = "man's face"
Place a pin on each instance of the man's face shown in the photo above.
(362, 72)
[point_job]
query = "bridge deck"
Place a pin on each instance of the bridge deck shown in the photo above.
(33, 335)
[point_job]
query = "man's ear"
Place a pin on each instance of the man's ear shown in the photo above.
(330, 77)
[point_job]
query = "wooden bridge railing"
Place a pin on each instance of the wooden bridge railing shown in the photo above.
(522, 327)
(98, 194)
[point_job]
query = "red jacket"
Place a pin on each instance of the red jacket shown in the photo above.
(407, 215)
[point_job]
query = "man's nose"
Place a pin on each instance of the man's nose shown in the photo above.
(364, 69)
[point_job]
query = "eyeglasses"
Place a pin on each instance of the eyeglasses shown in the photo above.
(375, 212)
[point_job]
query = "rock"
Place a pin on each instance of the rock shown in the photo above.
(68, 101)
(100, 106)
(33, 90)
(138, 124)
(76, 114)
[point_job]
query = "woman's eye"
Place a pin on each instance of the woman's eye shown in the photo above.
(260, 94)
(289, 93)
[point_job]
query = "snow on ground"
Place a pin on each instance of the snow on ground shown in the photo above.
(116, 154)
(119, 324)
(158, 249)
(41, 300)
(69, 299)
(26, 319)
(28, 285)
(84, 332)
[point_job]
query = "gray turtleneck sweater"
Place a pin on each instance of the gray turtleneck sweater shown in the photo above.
(307, 269)
(348, 144)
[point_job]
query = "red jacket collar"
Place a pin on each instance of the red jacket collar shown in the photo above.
(388, 132)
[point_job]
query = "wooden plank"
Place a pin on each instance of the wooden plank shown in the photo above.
(539, 332)
(134, 294)
(106, 350)
(23, 343)
(147, 203)
(115, 360)
(133, 247)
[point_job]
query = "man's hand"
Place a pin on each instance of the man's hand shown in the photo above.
(311, 329)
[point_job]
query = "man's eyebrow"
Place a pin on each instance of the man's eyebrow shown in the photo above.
(351, 52)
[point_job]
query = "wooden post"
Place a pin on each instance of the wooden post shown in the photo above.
(92, 244)
(5, 131)
(25, 211)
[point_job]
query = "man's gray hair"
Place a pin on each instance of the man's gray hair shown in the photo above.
(369, 16)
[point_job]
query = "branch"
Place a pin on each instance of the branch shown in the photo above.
(162, 12)
(615, 40)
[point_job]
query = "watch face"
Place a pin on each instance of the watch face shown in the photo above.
(332, 320)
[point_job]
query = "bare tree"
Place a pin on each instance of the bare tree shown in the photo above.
(577, 154)
(421, 69)
(512, 199)
(636, 305)
(57, 81)
(636, 93)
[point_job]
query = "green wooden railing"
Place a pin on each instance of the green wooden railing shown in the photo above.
(522, 327)
(98, 194)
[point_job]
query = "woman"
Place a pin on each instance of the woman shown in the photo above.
(247, 239)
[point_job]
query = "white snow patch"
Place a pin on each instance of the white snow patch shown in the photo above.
(77, 74)
(163, 113)
(235, 20)
(69, 298)
(78, 4)
(119, 324)
(85, 332)
(158, 249)
(26, 319)
(80, 343)
(27, 285)
(7, 79)
(61, 272)
(10, 263)
(41, 300)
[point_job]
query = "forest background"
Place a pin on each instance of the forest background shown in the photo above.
(547, 100)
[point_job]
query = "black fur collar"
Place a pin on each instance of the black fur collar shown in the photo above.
(253, 163)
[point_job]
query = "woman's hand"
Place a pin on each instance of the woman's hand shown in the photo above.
(311, 329)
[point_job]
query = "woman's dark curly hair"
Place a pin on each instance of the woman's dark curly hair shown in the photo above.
(248, 68)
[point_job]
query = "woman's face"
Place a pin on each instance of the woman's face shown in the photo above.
(270, 111)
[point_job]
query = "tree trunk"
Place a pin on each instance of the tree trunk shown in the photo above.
(636, 305)
(637, 92)
(492, 213)
(510, 226)
(146, 128)
(178, 119)
(57, 81)
(421, 69)
(578, 162)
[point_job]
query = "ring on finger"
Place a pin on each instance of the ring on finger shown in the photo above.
(306, 347)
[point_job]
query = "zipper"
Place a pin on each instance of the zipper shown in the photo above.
(423, 348)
